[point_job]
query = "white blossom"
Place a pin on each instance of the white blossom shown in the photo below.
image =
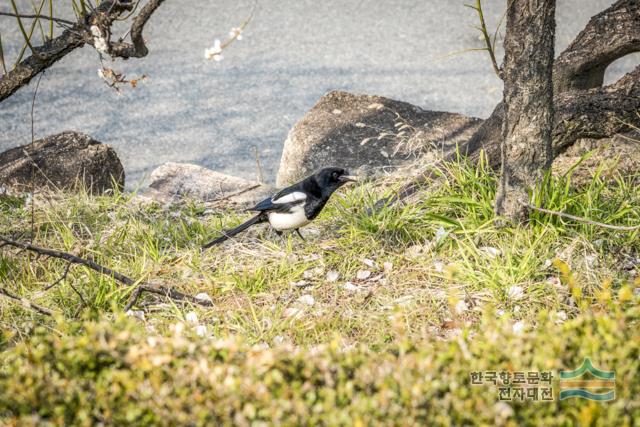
(515, 292)
(491, 251)
(441, 233)
(138, 314)
(99, 41)
(363, 274)
(203, 296)
(214, 52)
(518, 327)
(236, 32)
(307, 300)
(348, 286)
(201, 330)
(461, 307)
(191, 317)
(332, 276)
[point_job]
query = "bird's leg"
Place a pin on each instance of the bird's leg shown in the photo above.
(299, 234)
(279, 233)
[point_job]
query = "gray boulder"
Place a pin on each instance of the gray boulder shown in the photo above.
(367, 134)
(174, 182)
(62, 161)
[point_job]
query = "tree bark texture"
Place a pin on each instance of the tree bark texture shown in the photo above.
(528, 102)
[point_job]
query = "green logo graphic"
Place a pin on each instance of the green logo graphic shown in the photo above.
(602, 385)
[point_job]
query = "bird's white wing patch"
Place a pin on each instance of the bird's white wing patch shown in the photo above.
(291, 220)
(296, 196)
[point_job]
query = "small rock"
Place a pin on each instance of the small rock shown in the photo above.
(388, 266)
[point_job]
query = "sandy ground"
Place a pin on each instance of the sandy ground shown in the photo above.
(217, 113)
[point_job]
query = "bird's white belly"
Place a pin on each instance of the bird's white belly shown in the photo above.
(296, 218)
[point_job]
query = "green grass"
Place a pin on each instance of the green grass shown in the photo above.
(428, 271)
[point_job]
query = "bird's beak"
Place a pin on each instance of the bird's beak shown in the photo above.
(348, 178)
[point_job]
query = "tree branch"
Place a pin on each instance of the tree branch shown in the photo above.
(580, 219)
(158, 289)
(80, 34)
(597, 113)
(26, 303)
(609, 35)
(136, 49)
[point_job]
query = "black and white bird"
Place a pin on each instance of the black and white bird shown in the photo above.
(295, 206)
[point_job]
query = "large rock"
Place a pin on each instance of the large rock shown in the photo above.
(368, 134)
(174, 182)
(62, 161)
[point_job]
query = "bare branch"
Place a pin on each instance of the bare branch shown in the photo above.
(136, 49)
(77, 36)
(597, 113)
(490, 47)
(158, 289)
(63, 277)
(26, 303)
(580, 219)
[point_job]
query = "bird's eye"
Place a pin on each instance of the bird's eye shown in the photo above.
(335, 175)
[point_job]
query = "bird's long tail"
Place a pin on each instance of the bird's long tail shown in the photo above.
(261, 217)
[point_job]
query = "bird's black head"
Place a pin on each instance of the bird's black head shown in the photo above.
(330, 179)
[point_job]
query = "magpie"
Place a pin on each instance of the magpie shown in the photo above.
(295, 206)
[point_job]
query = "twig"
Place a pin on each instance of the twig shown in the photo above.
(125, 280)
(580, 219)
(64, 276)
(38, 16)
(259, 166)
(27, 38)
(26, 303)
(487, 38)
(33, 166)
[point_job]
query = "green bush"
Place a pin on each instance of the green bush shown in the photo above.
(115, 373)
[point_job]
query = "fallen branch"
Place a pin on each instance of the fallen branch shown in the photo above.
(580, 219)
(26, 303)
(140, 287)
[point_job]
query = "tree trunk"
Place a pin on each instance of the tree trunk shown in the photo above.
(609, 35)
(528, 102)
